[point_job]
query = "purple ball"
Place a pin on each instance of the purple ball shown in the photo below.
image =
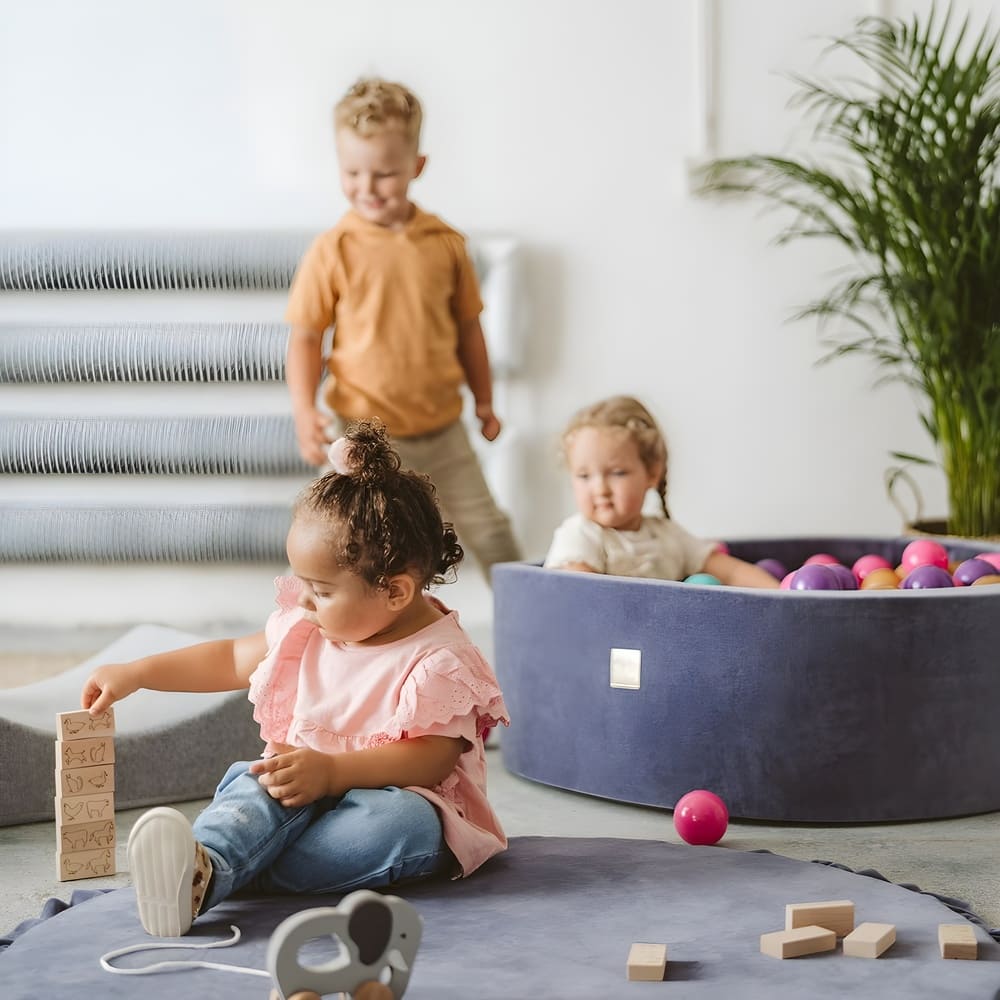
(847, 579)
(971, 569)
(815, 576)
(772, 566)
(927, 577)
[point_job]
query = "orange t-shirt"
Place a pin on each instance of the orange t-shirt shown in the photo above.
(396, 300)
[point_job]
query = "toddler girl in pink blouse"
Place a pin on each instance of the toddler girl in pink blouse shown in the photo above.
(372, 700)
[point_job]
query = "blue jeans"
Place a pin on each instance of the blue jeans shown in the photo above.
(367, 838)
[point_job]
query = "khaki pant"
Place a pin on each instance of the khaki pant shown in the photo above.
(447, 458)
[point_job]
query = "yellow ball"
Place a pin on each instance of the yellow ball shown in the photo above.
(880, 579)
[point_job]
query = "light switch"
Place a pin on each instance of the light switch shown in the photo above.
(626, 668)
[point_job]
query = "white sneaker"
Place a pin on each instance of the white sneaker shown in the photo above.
(161, 859)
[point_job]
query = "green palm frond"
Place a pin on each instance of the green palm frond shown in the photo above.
(903, 172)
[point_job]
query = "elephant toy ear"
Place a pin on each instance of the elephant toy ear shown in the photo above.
(370, 928)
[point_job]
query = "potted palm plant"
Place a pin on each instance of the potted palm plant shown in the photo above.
(903, 171)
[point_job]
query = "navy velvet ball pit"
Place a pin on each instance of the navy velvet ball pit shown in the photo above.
(826, 707)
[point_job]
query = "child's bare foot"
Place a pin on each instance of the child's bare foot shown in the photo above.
(170, 871)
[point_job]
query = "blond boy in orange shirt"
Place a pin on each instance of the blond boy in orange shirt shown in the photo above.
(398, 288)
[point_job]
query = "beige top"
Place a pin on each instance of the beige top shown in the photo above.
(396, 300)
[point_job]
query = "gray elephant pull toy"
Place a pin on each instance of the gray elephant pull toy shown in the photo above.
(378, 937)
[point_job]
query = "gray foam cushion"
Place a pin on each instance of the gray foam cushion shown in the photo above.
(169, 747)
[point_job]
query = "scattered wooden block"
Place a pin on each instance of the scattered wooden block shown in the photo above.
(85, 780)
(85, 753)
(869, 940)
(798, 941)
(80, 726)
(84, 808)
(958, 941)
(836, 915)
(647, 963)
(84, 864)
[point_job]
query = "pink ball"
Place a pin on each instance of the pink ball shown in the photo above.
(722, 547)
(821, 559)
(924, 552)
(786, 581)
(993, 558)
(863, 565)
(701, 817)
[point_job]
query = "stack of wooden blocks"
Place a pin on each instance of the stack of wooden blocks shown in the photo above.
(85, 795)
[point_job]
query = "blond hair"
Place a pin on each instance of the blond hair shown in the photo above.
(628, 415)
(374, 105)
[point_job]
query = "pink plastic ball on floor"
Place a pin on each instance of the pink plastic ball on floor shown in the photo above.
(924, 552)
(863, 565)
(701, 817)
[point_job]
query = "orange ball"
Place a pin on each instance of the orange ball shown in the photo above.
(987, 579)
(880, 579)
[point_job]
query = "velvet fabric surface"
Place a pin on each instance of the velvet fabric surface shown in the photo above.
(826, 707)
(551, 919)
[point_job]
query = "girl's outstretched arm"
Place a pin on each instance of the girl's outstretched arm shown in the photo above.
(220, 665)
(737, 573)
(300, 776)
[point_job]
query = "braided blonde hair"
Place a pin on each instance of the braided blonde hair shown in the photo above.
(373, 105)
(626, 414)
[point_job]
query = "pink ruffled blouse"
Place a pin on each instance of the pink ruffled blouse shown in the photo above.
(332, 697)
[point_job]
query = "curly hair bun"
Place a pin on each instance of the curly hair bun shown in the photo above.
(368, 452)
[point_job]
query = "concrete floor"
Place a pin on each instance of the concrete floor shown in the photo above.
(956, 857)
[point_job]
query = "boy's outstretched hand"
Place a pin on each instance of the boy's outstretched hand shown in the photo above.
(105, 686)
(295, 778)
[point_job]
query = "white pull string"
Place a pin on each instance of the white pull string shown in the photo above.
(145, 970)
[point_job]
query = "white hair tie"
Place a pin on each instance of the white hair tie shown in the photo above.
(337, 455)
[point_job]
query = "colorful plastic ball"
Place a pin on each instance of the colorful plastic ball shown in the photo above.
(881, 578)
(705, 579)
(972, 569)
(985, 581)
(844, 575)
(700, 817)
(821, 559)
(815, 576)
(863, 565)
(924, 552)
(775, 568)
(927, 577)
(786, 581)
(991, 557)
(722, 547)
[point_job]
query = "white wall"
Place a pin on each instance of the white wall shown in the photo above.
(565, 122)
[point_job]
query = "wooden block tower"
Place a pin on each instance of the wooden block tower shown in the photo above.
(85, 795)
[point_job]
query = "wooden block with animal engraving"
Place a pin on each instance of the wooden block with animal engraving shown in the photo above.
(647, 963)
(836, 915)
(869, 940)
(80, 726)
(798, 941)
(958, 941)
(85, 753)
(84, 808)
(72, 865)
(86, 836)
(85, 780)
